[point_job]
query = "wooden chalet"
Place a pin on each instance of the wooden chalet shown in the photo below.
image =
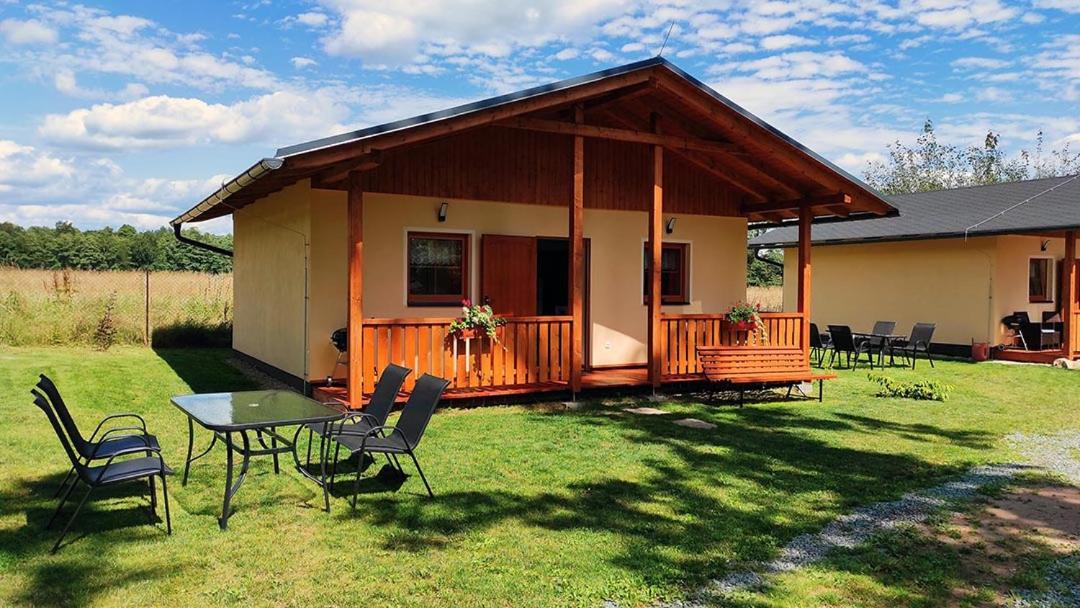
(564, 206)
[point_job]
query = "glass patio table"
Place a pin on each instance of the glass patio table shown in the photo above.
(234, 417)
(887, 341)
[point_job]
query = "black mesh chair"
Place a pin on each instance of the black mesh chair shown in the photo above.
(819, 345)
(844, 344)
(402, 438)
(375, 414)
(147, 466)
(877, 343)
(98, 447)
(918, 342)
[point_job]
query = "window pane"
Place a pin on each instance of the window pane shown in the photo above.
(1038, 278)
(436, 266)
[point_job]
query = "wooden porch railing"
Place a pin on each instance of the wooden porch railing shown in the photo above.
(528, 351)
(680, 335)
(1075, 338)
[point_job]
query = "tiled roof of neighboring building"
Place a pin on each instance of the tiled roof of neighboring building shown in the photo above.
(1038, 205)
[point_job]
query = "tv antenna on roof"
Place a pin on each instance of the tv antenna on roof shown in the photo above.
(664, 45)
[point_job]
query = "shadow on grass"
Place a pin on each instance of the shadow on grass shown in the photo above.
(73, 577)
(205, 370)
(731, 495)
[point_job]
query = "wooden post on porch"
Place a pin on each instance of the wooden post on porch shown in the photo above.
(577, 259)
(1069, 296)
(355, 322)
(656, 230)
(806, 217)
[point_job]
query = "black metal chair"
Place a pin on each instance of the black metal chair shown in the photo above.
(843, 342)
(877, 342)
(377, 410)
(402, 438)
(819, 345)
(918, 342)
(109, 443)
(113, 472)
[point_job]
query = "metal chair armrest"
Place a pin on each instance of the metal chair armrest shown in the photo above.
(142, 422)
(138, 431)
(129, 452)
(381, 431)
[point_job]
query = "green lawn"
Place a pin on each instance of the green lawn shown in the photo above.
(536, 506)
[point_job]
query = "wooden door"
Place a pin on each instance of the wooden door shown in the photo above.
(508, 274)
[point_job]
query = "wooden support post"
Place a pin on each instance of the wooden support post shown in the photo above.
(806, 218)
(656, 231)
(1070, 297)
(356, 291)
(577, 259)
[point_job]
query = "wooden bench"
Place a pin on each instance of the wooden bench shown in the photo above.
(740, 366)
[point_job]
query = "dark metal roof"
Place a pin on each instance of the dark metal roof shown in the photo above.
(492, 102)
(1052, 204)
(199, 211)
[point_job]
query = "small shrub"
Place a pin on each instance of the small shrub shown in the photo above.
(189, 334)
(105, 334)
(923, 390)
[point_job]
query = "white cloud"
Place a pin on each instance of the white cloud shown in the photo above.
(313, 19)
(1068, 6)
(567, 54)
(785, 41)
(951, 98)
(161, 121)
(979, 63)
(994, 94)
(30, 31)
(382, 33)
(302, 62)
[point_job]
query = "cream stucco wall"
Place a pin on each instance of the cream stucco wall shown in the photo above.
(268, 278)
(947, 282)
(1011, 280)
(717, 266)
(963, 287)
(270, 271)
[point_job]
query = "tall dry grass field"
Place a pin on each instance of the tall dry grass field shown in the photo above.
(43, 307)
(771, 299)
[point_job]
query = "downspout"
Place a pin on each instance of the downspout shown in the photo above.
(199, 244)
(757, 256)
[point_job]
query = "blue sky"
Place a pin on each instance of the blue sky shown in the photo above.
(129, 112)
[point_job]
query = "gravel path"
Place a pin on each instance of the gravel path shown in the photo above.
(1058, 453)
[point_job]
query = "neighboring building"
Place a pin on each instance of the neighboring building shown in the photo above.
(506, 200)
(964, 259)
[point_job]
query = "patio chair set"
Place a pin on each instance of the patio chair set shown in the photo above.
(122, 450)
(841, 344)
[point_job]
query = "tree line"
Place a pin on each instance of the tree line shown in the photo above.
(123, 248)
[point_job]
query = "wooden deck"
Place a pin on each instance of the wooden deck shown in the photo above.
(1029, 356)
(591, 381)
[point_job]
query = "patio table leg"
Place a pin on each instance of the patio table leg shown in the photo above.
(230, 488)
(190, 444)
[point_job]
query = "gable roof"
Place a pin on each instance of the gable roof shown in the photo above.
(1039, 205)
(295, 162)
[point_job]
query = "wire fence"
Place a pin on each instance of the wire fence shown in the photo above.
(50, 307)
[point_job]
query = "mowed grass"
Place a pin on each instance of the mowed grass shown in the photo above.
(535, 506)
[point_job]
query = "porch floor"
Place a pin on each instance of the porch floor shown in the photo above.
(1029, 356)
(597, 379)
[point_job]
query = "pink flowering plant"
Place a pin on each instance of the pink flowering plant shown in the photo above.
(746, 317)
(478, 317)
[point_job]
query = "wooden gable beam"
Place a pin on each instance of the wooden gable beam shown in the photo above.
(838, 200)
(706, 163)
(673, 142)
(334, 177)
(603, 103)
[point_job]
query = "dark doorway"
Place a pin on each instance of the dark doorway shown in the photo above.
(552, 277)
(553, 283)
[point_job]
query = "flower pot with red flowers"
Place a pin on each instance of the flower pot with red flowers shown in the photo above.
(476, 321)
(746, 318)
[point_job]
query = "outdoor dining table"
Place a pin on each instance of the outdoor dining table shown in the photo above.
(234, 417)
(887, 339)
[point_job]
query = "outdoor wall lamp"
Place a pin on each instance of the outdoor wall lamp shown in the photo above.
(442, 211)
(1043, 245)
(670, 227)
